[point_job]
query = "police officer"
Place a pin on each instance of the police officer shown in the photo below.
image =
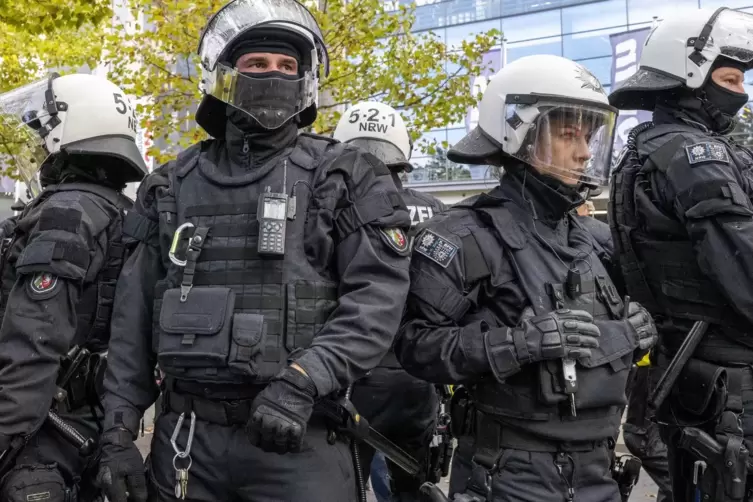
(508, 296)
(398, 405)
(268, 277)
(59, 267)
(681, 210)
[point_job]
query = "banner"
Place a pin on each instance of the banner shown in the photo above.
(492, 61)
(626, 53)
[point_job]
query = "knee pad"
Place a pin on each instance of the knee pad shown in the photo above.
(36, 483)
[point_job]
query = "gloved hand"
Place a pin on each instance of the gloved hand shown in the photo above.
(560, 334)
(280, 413)
(644, 326)
(121, 472)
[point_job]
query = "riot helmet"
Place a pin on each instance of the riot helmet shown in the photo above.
(679, 57)
(548, 112)
(380, 130)
(271, 99)
(78, 114)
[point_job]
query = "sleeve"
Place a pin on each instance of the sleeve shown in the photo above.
(711, 198)
(358, 231)
(129, 383)
(65, 249)
(438, 341)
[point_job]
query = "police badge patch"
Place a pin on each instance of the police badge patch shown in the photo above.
(396, 239)
(43, 285)
(435, 247)
(706, 152)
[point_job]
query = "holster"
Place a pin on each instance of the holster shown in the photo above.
(699, 396)
(462, 413)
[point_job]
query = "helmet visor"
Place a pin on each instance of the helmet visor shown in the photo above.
(22, 149)
(270, 101)
(237, 17)
(382, 150)
(732, 36)
(571, 142)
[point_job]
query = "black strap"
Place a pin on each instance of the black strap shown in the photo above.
(192, 255)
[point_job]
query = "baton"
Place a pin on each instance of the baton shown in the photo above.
(684, 353)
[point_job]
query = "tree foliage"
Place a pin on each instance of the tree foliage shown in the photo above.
(39, 36)
(373, 57)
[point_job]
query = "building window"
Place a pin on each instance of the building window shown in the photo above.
(594, 16)
(732, 4)
(640, 11)
(517, 50)
(456, 34)
(592, 44)
(531, 26)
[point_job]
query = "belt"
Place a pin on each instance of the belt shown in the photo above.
(490, 433)
(236, 412)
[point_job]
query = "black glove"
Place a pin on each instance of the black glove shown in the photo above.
(560, 334)
(121, 472)
(643, 325)
(279, 414)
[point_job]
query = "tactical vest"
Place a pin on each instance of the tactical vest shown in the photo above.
(656, 256)
(534, 400)
(94, 308)
(231, 315)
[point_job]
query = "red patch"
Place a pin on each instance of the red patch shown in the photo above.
(43, 282)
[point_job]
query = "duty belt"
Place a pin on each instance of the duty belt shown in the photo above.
(494, 435)
(215, 412)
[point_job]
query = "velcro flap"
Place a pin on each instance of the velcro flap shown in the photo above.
(38, 252)
(203, 313)
(247, 329)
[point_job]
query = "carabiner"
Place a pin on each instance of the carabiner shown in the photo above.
(174, 245)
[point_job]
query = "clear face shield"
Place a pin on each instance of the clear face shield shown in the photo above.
(732, 36)
(569, 141)
(22, 149)
(270, 101)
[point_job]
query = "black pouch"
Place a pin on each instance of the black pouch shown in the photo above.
(29, 483)
(196, 333)
(601, 378)
(700, 393)
(247, 344)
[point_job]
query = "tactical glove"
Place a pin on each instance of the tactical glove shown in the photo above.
(643, 325)
(280, 413)
(121, 472)
(560, 334)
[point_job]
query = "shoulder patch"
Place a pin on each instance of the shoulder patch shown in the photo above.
(707, 152)
(396, 239)
(435, 247)
(43, 285)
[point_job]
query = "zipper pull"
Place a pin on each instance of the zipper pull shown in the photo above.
(245, 146)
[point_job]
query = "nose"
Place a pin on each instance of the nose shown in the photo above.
(582, 150)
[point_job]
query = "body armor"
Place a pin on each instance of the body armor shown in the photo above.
(656, 255)
(231, 315)
(534, 399)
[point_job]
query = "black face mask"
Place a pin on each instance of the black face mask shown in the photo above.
(728, 102)
(264, 98)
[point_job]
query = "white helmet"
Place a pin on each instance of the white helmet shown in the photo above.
(378, 129)
(78, 114)
(524, 103)
(263, 99)
(682, 49)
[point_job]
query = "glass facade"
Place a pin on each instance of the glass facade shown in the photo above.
(577, 30)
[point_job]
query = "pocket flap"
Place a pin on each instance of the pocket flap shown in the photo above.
(247, 329)
(614, 343)
(203, 313)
